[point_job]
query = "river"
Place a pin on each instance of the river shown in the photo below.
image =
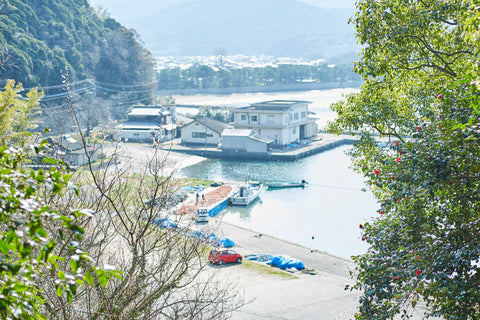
(325, 215)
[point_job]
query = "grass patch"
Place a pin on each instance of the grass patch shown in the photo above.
(196, 182)
(262, 268)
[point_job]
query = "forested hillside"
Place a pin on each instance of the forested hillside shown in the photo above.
(205, 77)
(38, 38)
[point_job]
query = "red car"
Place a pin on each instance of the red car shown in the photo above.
(222, 256)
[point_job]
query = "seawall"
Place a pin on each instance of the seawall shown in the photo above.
(326, 143)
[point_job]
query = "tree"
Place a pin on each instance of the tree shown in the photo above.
(17, 115)
(30, 225)
(421, 98)
(164, 270)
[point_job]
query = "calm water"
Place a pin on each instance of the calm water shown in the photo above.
(329, 209)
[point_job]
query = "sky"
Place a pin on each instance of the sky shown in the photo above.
(121, 10)
(110, 4)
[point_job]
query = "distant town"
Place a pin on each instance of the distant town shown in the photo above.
(232, 61)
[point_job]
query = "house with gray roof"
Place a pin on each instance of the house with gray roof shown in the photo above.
(283, 121)
(203, 131)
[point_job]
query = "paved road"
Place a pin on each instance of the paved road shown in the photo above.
(320, 297)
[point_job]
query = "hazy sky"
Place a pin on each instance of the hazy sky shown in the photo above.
(119, 9)
(110, 4)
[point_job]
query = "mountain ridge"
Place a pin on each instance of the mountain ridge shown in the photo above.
(249, 27)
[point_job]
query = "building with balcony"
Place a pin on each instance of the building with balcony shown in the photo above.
(283, 121)
(148, 123)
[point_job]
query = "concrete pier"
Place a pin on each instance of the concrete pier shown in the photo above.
(323, 142)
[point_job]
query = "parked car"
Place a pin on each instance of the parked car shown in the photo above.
(222, 256)
(202, 215)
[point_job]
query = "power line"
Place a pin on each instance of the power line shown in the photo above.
(65, 94)
(335, 187)
(146, 84)
(59, 85)
(123, 91)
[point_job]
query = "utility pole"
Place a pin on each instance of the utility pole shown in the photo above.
(205, 137)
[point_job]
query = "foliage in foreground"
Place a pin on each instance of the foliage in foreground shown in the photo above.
(27, 245)
(50, 248)
(421, 95)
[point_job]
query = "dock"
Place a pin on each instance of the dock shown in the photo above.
(292, 152)
(215, 199)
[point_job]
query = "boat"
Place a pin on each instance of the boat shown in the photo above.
(279, 185)
(246, 194)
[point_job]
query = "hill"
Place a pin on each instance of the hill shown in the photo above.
(250, 27)
(40, 38)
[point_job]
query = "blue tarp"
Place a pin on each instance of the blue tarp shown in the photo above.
(164, 223)
(286, 262)
(221, 241)
(198, 188)
(227, 242)
(168, 224)
(199, 235)
(259, 257)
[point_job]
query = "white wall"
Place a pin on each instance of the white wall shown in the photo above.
(137, 135)
(195, 128)
(243, 144)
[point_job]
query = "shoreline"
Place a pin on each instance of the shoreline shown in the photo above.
(294, 87)
(249, 241)
(321, 295)
(318, 294)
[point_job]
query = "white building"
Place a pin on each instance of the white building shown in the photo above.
(203, 131)
(145, 123)
(244, 140)
(283, 121)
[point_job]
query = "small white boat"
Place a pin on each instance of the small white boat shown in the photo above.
(280, 185)
(246, 194)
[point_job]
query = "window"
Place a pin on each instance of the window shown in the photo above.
(270, 119)
(243, 117)
(254, 118)
(198, 134)
(304, 114)
(296, 116)
(294, 130)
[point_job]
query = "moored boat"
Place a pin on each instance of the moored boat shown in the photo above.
(246, 194)
(279, 185)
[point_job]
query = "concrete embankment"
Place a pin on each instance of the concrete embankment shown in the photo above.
(294, 152)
